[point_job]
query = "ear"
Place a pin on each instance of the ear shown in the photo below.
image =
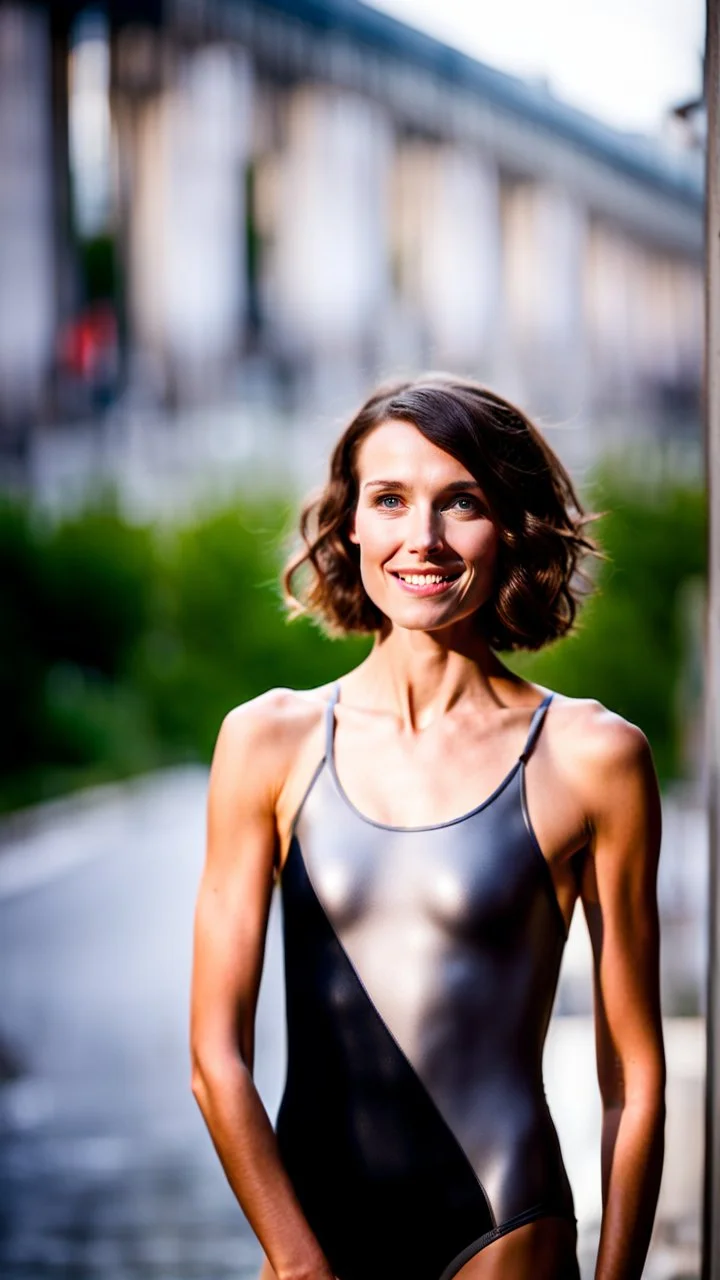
(351, 532)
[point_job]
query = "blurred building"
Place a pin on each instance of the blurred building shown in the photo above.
(213, 199)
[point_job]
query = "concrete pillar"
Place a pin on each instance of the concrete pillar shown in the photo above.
(328, 274)
(27, 273)
(643, 309)
(609, 306)
(186, 250)
(711, 1197)
(447, 234)
(544, 238)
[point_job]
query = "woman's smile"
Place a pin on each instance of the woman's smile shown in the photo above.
(424, 582)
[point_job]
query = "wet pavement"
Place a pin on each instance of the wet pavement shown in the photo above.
(106, 1169)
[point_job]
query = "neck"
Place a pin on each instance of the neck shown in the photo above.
(421, 675)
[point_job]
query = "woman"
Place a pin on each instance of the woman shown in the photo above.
(433, 819)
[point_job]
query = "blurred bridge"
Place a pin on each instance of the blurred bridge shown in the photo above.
(295, 196)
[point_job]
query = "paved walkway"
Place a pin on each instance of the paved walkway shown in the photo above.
(106, 1170)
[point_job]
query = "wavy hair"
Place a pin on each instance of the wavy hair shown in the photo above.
(540, 522)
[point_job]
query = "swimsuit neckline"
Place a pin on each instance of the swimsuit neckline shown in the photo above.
(538, 716)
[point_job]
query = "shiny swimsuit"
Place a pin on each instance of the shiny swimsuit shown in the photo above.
(421, 965)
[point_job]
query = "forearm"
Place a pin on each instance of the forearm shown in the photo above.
(245, 1142)
(632, 1159)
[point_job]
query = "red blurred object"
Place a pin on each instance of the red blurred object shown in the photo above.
(88, 344)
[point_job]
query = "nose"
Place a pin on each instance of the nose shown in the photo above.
(425, 533)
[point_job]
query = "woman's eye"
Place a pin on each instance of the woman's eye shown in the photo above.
(464, 502)
(470, 503)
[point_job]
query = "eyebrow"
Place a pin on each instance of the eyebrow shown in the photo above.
(454, 487)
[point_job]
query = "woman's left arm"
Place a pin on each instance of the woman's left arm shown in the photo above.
(620, 902)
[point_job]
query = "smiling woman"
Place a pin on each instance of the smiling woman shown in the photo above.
(495, 468)
(432, 819)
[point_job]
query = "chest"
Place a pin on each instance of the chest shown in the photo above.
(465, 877)
(430, 782)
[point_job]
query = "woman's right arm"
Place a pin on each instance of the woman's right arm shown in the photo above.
(230, 926)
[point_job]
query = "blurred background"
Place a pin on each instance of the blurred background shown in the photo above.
(221, 221)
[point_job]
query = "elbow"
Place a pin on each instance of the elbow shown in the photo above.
(647, 1087)
(640, 1089)
(199, 1078)
(198, 1082)
(212, 1072)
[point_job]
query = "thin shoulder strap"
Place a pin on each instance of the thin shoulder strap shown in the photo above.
(536, 725)
(330, 721)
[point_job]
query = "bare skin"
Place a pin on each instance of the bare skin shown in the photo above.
(433, 701)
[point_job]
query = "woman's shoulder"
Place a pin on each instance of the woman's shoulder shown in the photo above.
(260, 741)
(594, 741)
(276, 721)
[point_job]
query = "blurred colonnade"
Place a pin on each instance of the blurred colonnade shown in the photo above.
(280, 200)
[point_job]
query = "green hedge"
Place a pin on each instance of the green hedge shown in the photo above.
(220, 634)
(635, 649)
(123, 646)
(76, 597)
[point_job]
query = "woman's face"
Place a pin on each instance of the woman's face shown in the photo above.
(421, 516)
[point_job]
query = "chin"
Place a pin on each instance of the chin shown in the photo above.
(415, 621)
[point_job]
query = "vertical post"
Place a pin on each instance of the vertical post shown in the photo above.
(711, 1206)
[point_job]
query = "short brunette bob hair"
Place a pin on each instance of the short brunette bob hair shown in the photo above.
(533, 504)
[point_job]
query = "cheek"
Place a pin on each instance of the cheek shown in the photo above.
(492, 546)
(479, 545)
(374, 537)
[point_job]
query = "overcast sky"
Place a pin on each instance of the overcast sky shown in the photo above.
(625, 61)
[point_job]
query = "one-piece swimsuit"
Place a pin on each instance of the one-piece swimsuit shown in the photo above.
(421, 965)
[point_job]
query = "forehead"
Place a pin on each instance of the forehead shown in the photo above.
(398, 450)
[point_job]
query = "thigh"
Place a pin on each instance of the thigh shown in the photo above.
(542, 1250)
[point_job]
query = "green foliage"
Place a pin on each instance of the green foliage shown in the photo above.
(98, 267)
(123, 647)
(628, 649)
(23, 622)
(99, 578)
(220, 636)
(76, 601)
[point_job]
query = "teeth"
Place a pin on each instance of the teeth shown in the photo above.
(423, 579)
